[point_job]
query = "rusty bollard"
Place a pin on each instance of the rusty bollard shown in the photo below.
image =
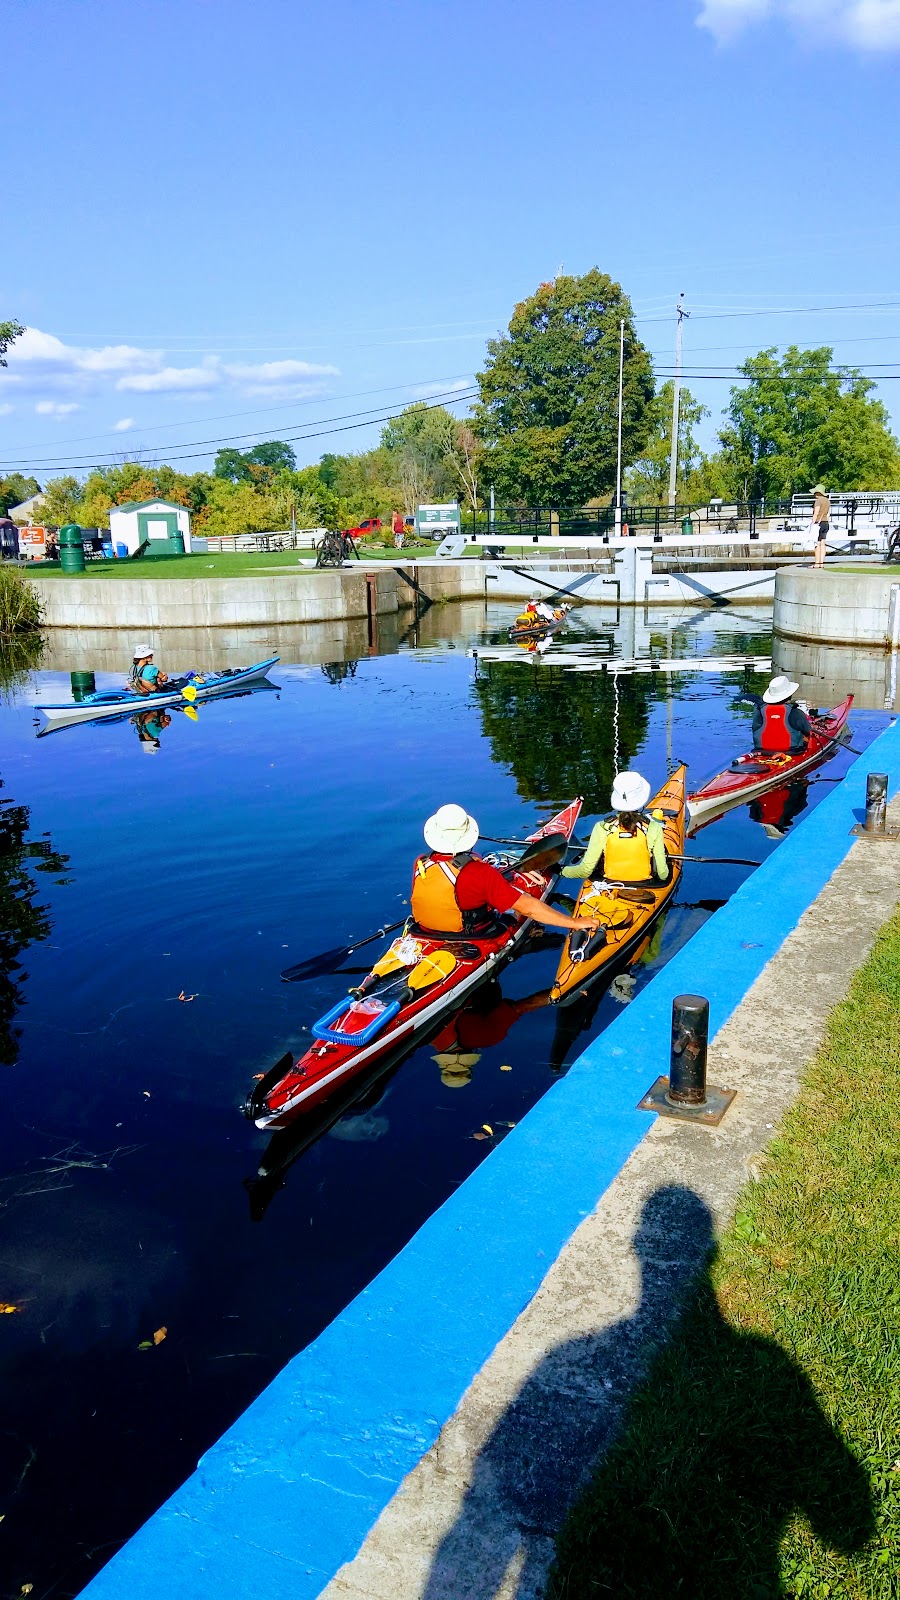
(685, 1092)
(875, 825)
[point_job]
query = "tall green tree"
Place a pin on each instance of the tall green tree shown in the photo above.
(418, 443)
(549, 394)
(799, 419)
(242, 466)
(647, 479)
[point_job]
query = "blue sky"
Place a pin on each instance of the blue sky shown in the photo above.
(225, 219)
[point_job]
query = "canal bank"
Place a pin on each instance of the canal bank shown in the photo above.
(404, 1384)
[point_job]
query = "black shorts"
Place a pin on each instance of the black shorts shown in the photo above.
(823, 531)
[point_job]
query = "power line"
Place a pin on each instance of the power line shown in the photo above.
(348, 427)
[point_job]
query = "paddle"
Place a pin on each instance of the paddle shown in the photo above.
(315, 965)
(717, 861)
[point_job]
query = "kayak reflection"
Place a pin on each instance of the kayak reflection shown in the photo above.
(485, 1020)
(618, 980)
(777, 810)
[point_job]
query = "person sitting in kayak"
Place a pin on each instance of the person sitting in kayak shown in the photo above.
(146, 678)
(779, 724)
(629, 847)
(456, 892)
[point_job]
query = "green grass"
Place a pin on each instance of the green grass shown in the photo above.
(228, 564)
(762, 1456)
(879, 570)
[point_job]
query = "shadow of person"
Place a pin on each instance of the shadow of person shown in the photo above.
(697, 1490)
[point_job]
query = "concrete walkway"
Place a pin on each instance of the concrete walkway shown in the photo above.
(477, 1518)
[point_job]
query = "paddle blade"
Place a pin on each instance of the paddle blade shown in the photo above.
(315, 966)
(189, 693)
(191, 714)
(432, 969)
(543, 854)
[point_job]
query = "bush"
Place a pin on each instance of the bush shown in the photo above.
(20, 605)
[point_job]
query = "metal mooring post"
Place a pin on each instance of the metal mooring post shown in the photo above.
(685, 1092)
(875, 826)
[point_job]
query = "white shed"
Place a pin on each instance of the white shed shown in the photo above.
(161, 525)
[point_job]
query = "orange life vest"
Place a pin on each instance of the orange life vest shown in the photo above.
(775, 733)
(433, 902)
(626, 856)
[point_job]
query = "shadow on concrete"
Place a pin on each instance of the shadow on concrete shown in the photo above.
(709, 1523)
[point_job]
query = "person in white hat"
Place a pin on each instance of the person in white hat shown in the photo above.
(629, 847)
(779, 724)
(819, 523)
(146, 677)
(456, 892)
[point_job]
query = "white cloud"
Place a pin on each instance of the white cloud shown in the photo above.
(169, 380)
(872, 25)
(6, 409)
(278, 372)
(56, 408)
(42, 366)
(123, 424)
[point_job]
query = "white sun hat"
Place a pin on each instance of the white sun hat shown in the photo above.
(630, 792)
(451, 830)
(141, 651)
(779, 689)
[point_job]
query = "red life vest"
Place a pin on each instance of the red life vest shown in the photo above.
(775, 733)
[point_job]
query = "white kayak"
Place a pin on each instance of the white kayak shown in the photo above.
(118, 702)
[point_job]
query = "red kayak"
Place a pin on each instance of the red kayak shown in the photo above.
(753, 774)
(416, 981)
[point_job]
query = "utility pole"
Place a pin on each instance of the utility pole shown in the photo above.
(676, 401)
(618, 521)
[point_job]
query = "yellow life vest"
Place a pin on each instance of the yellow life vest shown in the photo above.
(626, 856)
(433, 901)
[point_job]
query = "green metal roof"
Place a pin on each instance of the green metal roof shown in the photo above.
(138, 505)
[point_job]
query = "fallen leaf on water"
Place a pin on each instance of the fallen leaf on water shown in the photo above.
(258, 1077)
(159, 1335)
(146, 1344)
(7, 1308)
(506, 1069)
(479, 1136)
(186, 997)
(488, 1129)
(146, 1094)
(26, 1588)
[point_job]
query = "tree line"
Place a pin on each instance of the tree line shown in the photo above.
(542, 432)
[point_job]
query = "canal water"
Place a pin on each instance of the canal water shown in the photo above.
(151, 890)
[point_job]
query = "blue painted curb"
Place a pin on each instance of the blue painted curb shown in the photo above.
(289, 1493)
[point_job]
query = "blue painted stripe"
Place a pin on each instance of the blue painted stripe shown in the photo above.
(291, 1490)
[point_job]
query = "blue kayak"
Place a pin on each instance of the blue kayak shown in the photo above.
(116, 702)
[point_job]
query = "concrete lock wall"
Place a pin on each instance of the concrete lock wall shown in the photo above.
(834, 607)
(145, 603)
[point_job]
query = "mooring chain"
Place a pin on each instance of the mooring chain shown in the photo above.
(615, 722)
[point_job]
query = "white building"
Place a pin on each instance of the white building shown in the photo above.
(161, 525)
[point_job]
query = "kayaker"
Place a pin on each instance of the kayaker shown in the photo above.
(779, 723)
(456, 892)
(629, 847)
(146, 677)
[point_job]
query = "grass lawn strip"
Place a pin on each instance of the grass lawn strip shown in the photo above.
(227, 564)
(762, 1456)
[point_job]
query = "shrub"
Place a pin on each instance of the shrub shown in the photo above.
(20, 605)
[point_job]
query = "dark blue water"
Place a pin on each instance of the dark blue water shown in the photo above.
(272, 826)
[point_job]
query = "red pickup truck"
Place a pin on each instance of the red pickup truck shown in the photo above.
(364, 528)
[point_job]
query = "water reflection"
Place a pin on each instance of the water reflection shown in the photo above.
(23, 920)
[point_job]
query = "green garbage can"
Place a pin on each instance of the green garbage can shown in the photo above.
(83, 684)
(176, 539)
(71, 549)
(687, 527)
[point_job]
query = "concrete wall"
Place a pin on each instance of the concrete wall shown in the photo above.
(834, 607)
(827, 673)
(147, 603)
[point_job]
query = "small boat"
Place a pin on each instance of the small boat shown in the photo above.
(529, 625)
(116, 702)
(416, 982)
(627, 911)
(753, 774)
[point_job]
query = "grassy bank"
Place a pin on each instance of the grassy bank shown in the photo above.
(762, 1457)
(228, 564)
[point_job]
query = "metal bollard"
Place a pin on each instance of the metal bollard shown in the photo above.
(687, 1061)
(876, 802)
(685, 1093)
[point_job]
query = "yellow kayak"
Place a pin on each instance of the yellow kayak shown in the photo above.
(626, 914)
